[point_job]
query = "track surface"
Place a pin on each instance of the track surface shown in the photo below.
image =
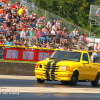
(27, 88)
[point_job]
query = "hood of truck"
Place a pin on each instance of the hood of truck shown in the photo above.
(59, 62)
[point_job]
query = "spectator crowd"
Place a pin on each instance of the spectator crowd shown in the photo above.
(18, 28)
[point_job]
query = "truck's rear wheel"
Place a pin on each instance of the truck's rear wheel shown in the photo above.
(74, 79)
(40, 81)
(96, 81)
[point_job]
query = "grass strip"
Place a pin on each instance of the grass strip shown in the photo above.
(1, 60)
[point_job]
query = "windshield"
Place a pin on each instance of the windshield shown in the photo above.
(66, 55)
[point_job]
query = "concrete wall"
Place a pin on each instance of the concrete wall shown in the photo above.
(9, 68)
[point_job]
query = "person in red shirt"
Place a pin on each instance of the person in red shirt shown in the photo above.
(14, 5)
(1, 43)
(4, 1)
(87, 41)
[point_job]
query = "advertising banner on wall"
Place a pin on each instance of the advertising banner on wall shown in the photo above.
(26, 55)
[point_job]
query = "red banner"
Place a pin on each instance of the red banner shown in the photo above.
(26, 55)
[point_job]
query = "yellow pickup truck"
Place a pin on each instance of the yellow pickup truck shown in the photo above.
(69, 67)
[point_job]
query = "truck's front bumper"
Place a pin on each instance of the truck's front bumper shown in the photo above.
(59, 75)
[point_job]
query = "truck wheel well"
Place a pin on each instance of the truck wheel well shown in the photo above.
(76, 72)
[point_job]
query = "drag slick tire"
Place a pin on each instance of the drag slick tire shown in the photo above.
(96, 81)
(40, 81)
(74, 79)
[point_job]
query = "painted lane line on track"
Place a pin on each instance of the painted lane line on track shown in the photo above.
(17, 77)
(49, 90)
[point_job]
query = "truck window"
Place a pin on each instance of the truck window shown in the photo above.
(85, 57)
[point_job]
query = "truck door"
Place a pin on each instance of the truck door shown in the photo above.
(86, 66)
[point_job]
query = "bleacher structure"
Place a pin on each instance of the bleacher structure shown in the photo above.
(50, 16)
(94, 19)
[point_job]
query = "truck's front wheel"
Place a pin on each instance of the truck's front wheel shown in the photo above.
(40, 81)
(74, 79)
(96, 81)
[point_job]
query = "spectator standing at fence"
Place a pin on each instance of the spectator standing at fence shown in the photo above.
(95, 57)
(14, 43)
(91, 48)
(8, 42)
(98, 13)
(96, 47)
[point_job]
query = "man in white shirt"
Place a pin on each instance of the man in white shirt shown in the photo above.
(74, 32)
(53, 32)
(49, 24)
(22, 35)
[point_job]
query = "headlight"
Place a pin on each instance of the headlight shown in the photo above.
(65, 68)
